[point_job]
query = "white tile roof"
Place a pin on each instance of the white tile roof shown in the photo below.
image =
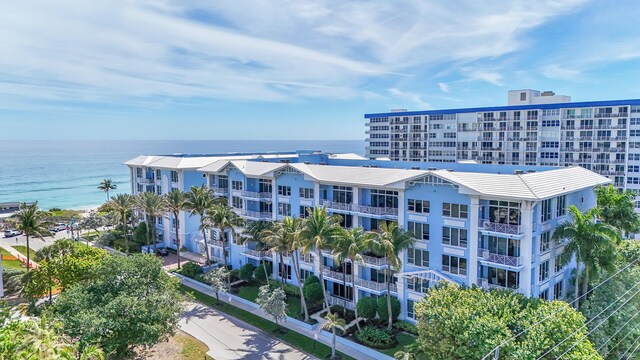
(142, 160)
(366, 176)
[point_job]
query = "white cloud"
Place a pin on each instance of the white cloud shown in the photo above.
(444, 87)
(555, 71)
(489, 76)
(416, 99)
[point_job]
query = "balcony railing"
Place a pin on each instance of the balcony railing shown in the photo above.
(361, 209)
(219, 190)
(255, 194)
(500, 227)
(256, 215)
(376, 286)
(326, 271)
(375, 261)
(333, 300)
(257, 253)
(487, 255)
(485, 284)
(216, 243)
(146, 181)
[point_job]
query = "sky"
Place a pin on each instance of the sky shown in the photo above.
(259, 69)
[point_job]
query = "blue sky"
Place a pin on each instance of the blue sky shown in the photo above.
(221, 69)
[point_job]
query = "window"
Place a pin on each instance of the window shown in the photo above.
(264, 186)
(418, 257)
(236, 202)
(503, 246)
(304, 274)
(504, 212)
(454, 236)
(343, 194)
(410, 312)
(543, 271)
(455, 210)
(454, 265)
(544, 295)
(174, 176)
(418, 230)
(418, 206)
(384, 198)
(545, 241)
(286, 269)
(306, 193)
(223, 182)
(559, 266)
(284, 190)
(418, 284)
(503, 278)
(284, 209)
(561, 205)
(139, 172)
(304, 211)
(523, 96)
(236, 185)
(557, 290)
(546, 210)
(158, 174)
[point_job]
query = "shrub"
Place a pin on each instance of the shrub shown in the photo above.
(258, 273)
(246, 272)
(310, 280)
(140, 233)
(346, 314)
(313, 292)
(233, 275)
(382, 308)
(367, 307)
(292, 290)
(406, 327)
(376, 338)
(191, 270)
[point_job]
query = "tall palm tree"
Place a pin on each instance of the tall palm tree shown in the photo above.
(295, 227)
(591, 241)
(199, 199)
(152, 205)
(320, 229)
(255, 231)
(106, 185)
(349, 245)
(617, 208)
(121, 205)
(176, 201)
(333, 322)
(390, 240)
(222, 217)
(279, 239)
(31, 221)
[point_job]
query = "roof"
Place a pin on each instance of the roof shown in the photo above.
(347, 156)
(568, 105)
(367, 176)
(247, 167)
(143, 160)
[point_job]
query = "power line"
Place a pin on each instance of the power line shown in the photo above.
(634, 351)
(620, 341)
(616, 333)
(557, 311)
(633, 343)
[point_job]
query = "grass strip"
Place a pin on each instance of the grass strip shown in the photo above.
(291, 337)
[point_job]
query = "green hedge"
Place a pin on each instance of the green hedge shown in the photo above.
(376, 338)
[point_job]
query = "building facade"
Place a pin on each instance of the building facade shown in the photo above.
(473, 224)
(534, 129)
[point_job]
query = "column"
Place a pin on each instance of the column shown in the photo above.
(474, 239)
(274, 203)
(401, 209)
(316, 194)
(356, 201)
(355, 272)
(526, 247)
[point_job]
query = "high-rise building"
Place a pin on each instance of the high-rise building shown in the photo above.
(535, 128)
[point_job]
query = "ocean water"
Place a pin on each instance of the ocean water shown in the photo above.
(66, 174)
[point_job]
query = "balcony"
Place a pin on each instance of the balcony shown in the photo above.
(254, 215)
(510, 229)
(145, 181)
(374, 261)
(333, 300)
(220, 191)
(326, 271)
(485, 284)
(255, 195)
(375, 286)
(488, 256)
(217, 243)
(257, 254)
(358, 209)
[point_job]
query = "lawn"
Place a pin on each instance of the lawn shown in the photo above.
(250, 292)
(23, 250)
(292, 338)
(404, 339)
(192, 348)
(10, 264)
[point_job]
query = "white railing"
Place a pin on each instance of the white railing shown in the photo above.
(376, 261)
(500, 227)
(255, 194)
(486, 255)
(484, 283)
(146, 181)
(220, 190)
(257, 253)
(326, 271)
(361, 209)
(374, 285)
(333, 300)
(216, 243)
(254, 214)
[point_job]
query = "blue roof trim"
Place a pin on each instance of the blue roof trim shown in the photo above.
(295, 152)
(507, 108)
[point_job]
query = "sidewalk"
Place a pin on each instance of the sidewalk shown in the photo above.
(19, 255)
(313, 334)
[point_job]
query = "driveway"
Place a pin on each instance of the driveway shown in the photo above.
(229, 338)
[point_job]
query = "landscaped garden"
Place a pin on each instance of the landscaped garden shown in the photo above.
(9, 261)
(23, 250)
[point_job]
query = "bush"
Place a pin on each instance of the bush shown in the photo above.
(292, 290)
(191, 270)
(346, 314)
(382, 308)
(313, 292)
(234, 276)
(246, 272)
(406, 327)
(258, 273)
(376, 338)
(310, 280)
(140, 233)
(367, 307)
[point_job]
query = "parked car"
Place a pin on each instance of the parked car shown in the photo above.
(12, 232)
(58, 227)
(162, 252)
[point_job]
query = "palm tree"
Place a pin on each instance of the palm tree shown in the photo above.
(31, 221)
(106, 185)
(221, 216)
(320, 229)
(199, 199)
(122, 204)
(176, 201)
(295, 227)
(390, 240)
(152, 205)
(591, 241)
(255, 230)
(617, 208)
(279, 239)
(348, 246)
(333, 322)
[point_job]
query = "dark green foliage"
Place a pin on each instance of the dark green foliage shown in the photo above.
(346, 314)
(234, 275)
(258, 273)
(140, 233)
(310, 280)
(191, 270)
(313, 292)
(292, 290)
(383, 310)
(246, 272)
(376, 338)
(406, 327)
(367, 307)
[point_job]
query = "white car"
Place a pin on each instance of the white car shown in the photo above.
(12, 232)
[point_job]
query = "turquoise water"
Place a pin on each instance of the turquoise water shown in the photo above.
(66, 174)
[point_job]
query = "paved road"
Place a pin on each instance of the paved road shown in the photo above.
(229, 338)
(34, 243)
